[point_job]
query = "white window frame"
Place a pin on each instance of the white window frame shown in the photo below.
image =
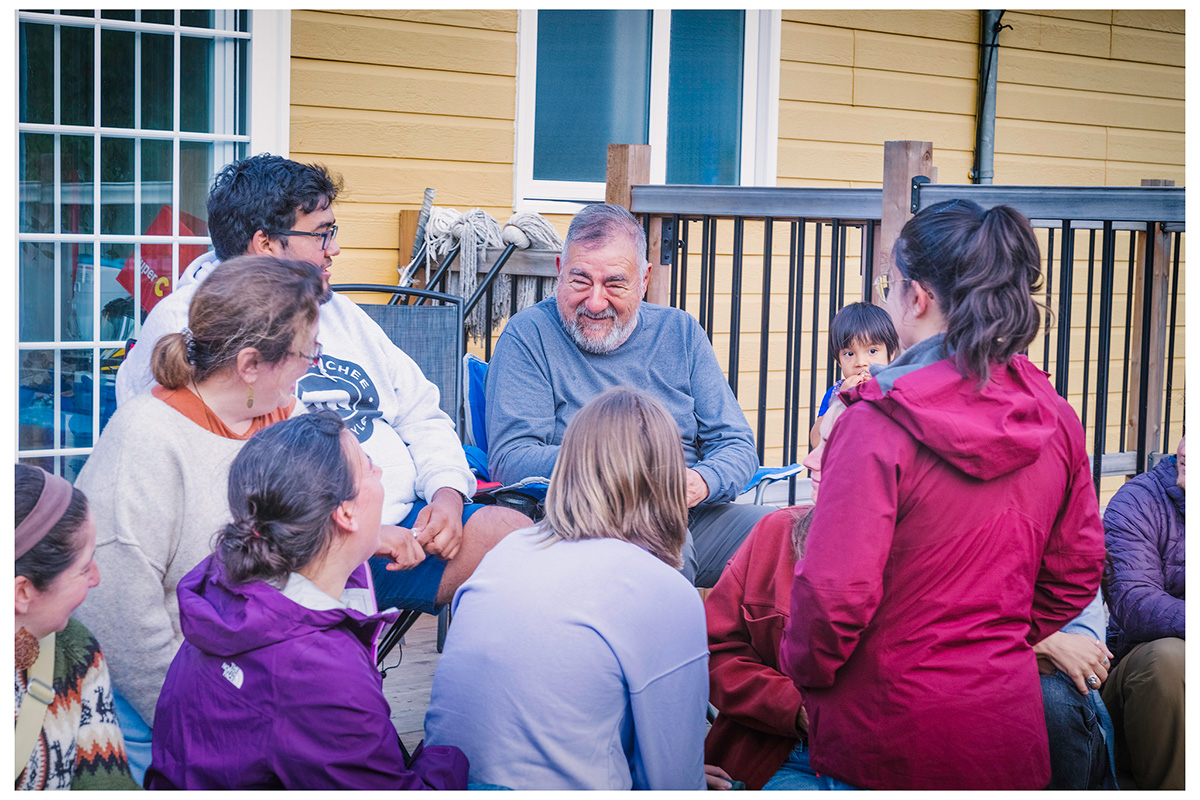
(270, 102)
(270, 52)
(760, 113)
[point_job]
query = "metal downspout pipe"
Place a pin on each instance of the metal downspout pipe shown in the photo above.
(985, 109)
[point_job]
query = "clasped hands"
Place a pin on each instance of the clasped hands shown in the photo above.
(437, 531)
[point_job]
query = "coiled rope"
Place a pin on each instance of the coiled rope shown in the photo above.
(476, 230)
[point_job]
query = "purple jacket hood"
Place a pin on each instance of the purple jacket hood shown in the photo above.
(226, 619)
(986, 432)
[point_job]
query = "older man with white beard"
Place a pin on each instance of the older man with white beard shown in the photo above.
(595, 334)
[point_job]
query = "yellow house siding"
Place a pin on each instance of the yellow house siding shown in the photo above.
(1102, 90)
(850, 80)
(399, 100)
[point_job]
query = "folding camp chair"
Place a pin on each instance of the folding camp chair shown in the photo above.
(432, 336)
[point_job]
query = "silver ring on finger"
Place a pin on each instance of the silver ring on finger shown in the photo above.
(1093, 681)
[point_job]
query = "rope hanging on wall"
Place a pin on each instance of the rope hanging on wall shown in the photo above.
(478, 230)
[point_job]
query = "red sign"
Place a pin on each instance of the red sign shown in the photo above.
(156, 264)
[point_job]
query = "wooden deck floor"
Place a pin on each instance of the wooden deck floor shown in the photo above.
(407, 686)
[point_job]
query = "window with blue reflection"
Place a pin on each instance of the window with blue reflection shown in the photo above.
(593, 89)
(704, 102)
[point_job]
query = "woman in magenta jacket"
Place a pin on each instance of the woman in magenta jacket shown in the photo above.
(957, 526)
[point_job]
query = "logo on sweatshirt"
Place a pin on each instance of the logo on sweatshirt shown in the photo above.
(344, 387)
(233, 673)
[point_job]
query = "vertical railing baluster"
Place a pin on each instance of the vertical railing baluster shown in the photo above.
(683, 227)
(816, 315)
(704, 239)
(1087, 329)
(1049, 298)
(1128, 336)
(868, 261)
(764, 335)
(840, 261)
(735, 304)
(1107, 257)
(1166, 446)
(673, 297)
(1144, 368)
(1062, 367)
(791, 378)
(712, 276)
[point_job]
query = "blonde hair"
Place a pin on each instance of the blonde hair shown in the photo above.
(620, 474)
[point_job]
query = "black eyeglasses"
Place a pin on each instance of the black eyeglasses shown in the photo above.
(314, 358)
(326, 237)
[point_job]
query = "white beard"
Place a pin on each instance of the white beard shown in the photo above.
(611, 341)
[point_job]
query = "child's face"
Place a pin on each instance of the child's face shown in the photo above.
(857, 358)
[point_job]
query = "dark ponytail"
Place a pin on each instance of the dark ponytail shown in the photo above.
(982, 267)
(283, 488)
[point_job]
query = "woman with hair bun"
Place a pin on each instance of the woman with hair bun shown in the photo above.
(957, 526)
(157, 475)
(275, 686)
(578, 657)
(67, 735)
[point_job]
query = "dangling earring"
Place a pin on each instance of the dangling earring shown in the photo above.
(26, 649)
(250, 395)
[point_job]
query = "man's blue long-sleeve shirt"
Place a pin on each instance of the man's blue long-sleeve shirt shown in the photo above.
(538, 379)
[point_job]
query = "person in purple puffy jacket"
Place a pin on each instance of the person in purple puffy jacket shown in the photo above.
(275, 686)
(1144, 588)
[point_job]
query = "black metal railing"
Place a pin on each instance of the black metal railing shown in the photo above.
(1123, 227)
(727, 247)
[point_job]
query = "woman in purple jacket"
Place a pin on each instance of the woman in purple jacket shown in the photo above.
(957, 526)
(275, 686)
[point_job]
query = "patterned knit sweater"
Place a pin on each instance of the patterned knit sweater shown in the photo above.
(80, 746)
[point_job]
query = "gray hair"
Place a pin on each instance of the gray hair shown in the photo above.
(596, 223)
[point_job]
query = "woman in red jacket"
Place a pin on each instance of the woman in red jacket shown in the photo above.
(758, 736)
(957, 527)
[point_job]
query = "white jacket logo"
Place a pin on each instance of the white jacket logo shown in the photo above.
(344, 387)
(233, 673)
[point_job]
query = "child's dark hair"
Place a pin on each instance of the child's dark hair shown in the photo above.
(283, 488)
(862, 322)
(982, 268)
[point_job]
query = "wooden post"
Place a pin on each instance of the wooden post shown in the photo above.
(408, 233)
(1159, 311)
(902, 161)
(629, 164)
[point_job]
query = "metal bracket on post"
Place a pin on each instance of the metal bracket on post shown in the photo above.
(916, 192)
(669, 245)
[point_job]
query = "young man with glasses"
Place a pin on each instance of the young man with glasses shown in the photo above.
(274, 206)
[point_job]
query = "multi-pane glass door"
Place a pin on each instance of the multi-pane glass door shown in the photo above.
(123, 118)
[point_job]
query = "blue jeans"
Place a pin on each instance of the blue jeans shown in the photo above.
(797, 775)
(137, 737)
(1079, 733)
